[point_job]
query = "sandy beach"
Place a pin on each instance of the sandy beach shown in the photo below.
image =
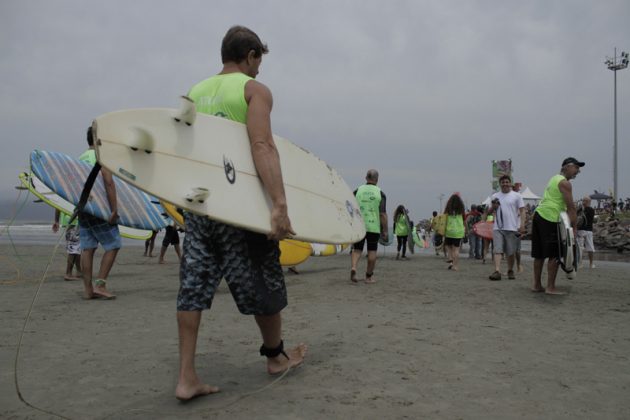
(423, 342)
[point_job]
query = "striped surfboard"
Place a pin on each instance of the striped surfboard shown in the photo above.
(42, 192)
(66, 176)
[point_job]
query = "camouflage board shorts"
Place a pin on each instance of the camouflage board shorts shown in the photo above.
(249, 262)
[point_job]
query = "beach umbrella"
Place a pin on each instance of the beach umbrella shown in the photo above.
(599, 196)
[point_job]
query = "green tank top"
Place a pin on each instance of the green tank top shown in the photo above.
(369, 198)
(222, 95)
(553, 202)
(401, 228)
(455, 226)
(64, 219)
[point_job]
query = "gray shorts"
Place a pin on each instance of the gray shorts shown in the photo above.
(249, 262)
(505, 242)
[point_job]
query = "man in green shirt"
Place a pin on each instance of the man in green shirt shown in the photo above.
(558, 197)
(250, 262)
(373, 209)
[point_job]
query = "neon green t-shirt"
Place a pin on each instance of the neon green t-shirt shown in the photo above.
(401, 228)
(553, 201)
(222, 95)
(369, 198)
(455, 226)
(88, 156)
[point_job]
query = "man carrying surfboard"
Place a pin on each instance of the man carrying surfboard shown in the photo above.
(558, 197)
(93, 231)
(372, 203)
(212, 250)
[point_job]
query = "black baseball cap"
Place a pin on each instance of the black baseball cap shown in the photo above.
(572, 160)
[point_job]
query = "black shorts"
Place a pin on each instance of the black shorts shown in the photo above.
(249, 262)
(171, 237)
(544, 238)
(372, 242)
(452, 241)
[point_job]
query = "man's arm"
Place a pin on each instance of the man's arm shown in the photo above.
(567, 194)
(110, 191)
(265, 156)
(522, 216)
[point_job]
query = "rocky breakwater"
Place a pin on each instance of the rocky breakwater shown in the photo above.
(612, 234)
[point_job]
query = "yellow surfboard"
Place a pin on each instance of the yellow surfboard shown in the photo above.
(326, 250)
(292, 252)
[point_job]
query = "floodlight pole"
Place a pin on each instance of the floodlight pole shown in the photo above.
(614, 64)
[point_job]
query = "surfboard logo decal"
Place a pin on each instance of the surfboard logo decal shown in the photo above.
(230, 172)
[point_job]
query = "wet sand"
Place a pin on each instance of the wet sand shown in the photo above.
(423, 342)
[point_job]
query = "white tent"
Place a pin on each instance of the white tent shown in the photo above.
(527, 194)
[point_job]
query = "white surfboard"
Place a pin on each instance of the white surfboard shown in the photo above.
(570, 254)
(203, 164)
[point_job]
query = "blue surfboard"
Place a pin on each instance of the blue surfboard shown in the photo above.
(66, 176)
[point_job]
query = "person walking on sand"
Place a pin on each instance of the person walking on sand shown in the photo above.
(558, 197)
(149, 244)
(73, 244)
(401, 230)
(93, 231)
(372, 203)
(585, 229)
(509, 224)
(171, 237)
(455, 229)
(250, 262)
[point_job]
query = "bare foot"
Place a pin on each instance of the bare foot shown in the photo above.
(279, 364)
(369, 280)
(538, 290)
(520, 269)
(554, 291)
(102, 292)
(70, 278)
(161, 262)
(186, 392)
(353, 276)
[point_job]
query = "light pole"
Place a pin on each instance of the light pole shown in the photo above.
(441, 196)
(616, 63)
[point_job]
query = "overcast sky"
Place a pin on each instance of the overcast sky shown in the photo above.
(426, 92)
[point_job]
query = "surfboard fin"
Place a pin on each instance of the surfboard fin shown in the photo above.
(140, 139)
(198, 194)
(187, 113)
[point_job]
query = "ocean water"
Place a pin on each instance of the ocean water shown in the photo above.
(38, 232)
